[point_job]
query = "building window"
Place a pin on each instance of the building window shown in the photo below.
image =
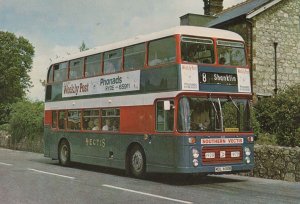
(76, 68)
(112, 61)
(93, 65)
(110, 119)
(162, 51)
(134, 57)
(164, 116)
(74, 117)
(299, 24)
(91, 120)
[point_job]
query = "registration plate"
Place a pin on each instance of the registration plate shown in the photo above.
(235, 154)
(223, 168)
(210, 155)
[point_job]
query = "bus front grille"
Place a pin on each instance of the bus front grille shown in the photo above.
(222, 155)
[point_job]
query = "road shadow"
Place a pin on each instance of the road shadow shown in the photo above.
(168, 179)
(190, 179)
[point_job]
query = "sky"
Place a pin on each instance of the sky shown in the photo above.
(58, 27)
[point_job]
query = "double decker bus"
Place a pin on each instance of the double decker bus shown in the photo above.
(175, 101)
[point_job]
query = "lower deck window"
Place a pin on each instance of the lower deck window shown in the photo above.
(110, 119)
(91, 120)
(74, 120)
(164, 116)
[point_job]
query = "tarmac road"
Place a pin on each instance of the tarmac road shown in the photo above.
(30, 178)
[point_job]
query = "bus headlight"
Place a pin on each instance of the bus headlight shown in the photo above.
(247, 151)
(247, 160)
(195, 162)
(195, 153)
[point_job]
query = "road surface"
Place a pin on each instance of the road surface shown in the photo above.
(30, 178)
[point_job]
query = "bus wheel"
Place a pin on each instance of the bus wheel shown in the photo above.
(137, 162)
(64, 153)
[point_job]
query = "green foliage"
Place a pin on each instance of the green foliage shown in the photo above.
(266, 139)
(4, 112)
(280, 115)
(16, 55)
(83, 47)
(4, 127)
(26, 121)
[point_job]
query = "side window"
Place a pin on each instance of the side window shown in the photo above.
(61, 120)
(50, 75)
(91, 120)
(48, 92)
(74, 117)
(54, 119)
(110, 119)
(162, 51)
(134, 57)
(112, 61)
(164, 116)
(76, 68)
(93, 65)
(60, 71)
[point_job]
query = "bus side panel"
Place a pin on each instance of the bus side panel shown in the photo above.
(51, 142)
(137, 119)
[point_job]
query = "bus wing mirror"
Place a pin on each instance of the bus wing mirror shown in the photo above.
(167, 105)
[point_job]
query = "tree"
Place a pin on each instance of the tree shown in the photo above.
(83, 47)
(16, 55)
(26, 121)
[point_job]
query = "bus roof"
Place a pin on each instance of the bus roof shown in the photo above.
(182, 30)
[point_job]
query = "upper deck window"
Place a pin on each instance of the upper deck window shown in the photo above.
(93, 65)
(76, 68)
(134, 57)
(60, 71)
(112, 61)
(162, 51)
(197, 50)
(50, 75)
(231, 53)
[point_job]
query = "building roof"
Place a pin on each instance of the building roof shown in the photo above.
(249, 7)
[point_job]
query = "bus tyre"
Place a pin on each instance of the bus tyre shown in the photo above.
(64, 153)
(137, 162)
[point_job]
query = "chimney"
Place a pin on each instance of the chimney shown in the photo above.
(212, 7)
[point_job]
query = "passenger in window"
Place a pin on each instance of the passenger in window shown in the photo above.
(199, 118)
(222, 60)
(90, 125)
(115, 126)
(107, 125)
(109, 67)
(192, 55)
(96, 125)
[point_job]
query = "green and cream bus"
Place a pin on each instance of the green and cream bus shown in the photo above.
(175, 101)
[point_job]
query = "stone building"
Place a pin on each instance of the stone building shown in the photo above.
(271, 29)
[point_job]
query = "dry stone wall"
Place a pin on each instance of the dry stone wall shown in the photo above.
(281, 163)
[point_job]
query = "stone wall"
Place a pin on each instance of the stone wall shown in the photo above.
(281, 24)
(281, 163)
(4, 139)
